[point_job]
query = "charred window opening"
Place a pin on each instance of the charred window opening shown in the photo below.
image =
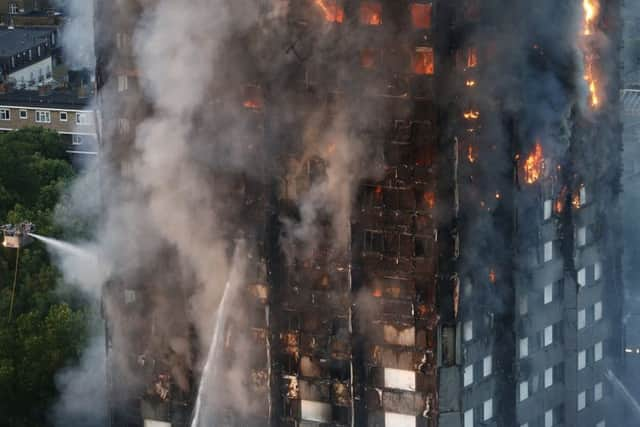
(467, 59)
(421, 15)
(371, 13)
(373, 241)
(369, 58)
(371, 197)
(422, 246)
(425, 155)
(426, 200)
(423, 61)
(472, 10)
(253, 99)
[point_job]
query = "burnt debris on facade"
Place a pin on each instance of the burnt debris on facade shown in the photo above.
(430, 226)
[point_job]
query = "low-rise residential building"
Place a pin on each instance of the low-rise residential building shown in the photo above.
(26, 56)
(63, 112)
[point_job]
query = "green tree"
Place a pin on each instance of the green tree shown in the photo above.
(46, 333)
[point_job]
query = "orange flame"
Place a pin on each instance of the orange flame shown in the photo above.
(377, 293)
(470, 83)
(471, 154)
(423, 60)
(562, 196)
(331, 10)
(252, 104)
(471, 115)
(591, 11)
(592, 81)
(492, 276)
(371, 13)
(430, 199)
(472, 57)
(533, 165)
(576, 200)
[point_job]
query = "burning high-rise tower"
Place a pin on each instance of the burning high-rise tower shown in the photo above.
(414, 203)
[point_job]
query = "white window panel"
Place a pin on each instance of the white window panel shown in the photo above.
(548, 251)
(467, 332)
(601, 424)
(597, 392)
(524, 305)
(487, 366)
(524, 347)
(123, 83)
(582, 360)
(524, 425)
(24, 114)
(548, 418)
(523, 391)
(597, 351)
(468, 418)
(548, 377)
(5, 114)
(315, 411)
(153, 423)
(582, 319)
(548, 293)
(583, 195)
(487, 413)
(548, 205)
(468, 375)
(129, 296)
(597, 311)
(582, 400)
(581, 236)
(548, 335)
(399, 420)
(399, 379)
(597, 271)
(582, 277)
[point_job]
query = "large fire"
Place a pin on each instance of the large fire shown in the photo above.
(591, 11)
(534, 165)
(592, 81)
(332, 11)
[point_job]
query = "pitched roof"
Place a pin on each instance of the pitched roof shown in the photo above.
(13, 41)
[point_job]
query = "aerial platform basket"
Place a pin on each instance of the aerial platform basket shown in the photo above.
(18, 236)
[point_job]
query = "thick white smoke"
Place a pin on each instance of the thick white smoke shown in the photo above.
(77, 34)
(83, 399)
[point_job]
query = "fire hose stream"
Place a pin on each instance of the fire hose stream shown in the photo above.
(15, 281)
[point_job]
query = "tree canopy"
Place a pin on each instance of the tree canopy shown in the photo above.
(47, 331)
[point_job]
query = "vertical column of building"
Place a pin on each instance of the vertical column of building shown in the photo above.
(134, 351)
(245, 360)
(595, 188)
(484, 223)
(311, 328)
(395, 239)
